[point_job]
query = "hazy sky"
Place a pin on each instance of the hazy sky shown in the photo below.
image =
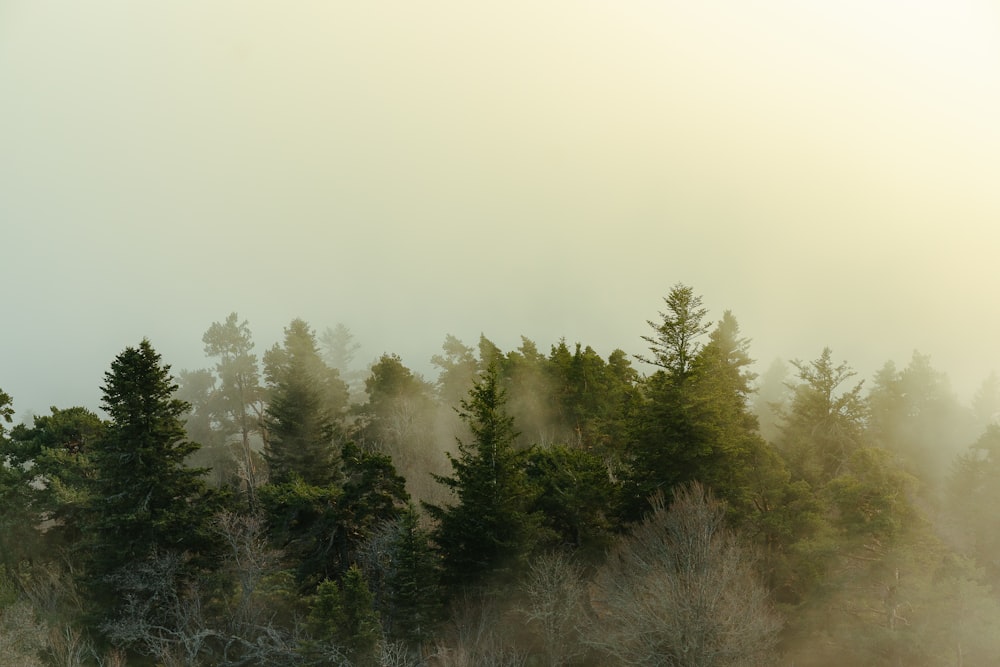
(829, 171)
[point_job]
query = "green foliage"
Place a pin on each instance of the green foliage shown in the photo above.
(488, 531)
(530, 394)
(6, 410)
(19, 536)
(320, 528)
(829, 509)
(572, 493)
(304, 522)
(415, 597)
(823, 427)
(306, 399)
(872, 496)
(374, 492)
(675, 341)
(696, 425)
(397, 418)
(593, 397)
(145, 501)
(343, 616)
(53, 461)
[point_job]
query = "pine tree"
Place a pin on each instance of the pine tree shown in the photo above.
(413, 583)
(675, 341)
(666, 446)
(343, 616)
(306, 398)
(231, 343)
(487, 532)
(146, 501)
(823, 428)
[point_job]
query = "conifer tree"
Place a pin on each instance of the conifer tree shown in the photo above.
(146, 502)
(823, 428)
(343, 615)
(487, 532)
(306, 398)
(231, 343)
(413, 583)
(6, 410)
(665, 447)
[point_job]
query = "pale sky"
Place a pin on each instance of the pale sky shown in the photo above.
(829, 171)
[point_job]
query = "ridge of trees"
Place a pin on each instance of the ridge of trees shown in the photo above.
(523, 507)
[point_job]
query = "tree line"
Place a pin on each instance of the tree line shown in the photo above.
(522, 509)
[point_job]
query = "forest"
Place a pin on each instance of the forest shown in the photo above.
(526, 507)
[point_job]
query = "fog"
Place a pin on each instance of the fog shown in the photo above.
(827, 171)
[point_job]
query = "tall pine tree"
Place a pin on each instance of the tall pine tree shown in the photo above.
(306, 398)
(146, 502)
(487, 532)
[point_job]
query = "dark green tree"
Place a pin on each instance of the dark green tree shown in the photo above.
(304, 522)
(373, 494)
(299, 348)
(487, 532)
(321, 528)
(592, 397)
(343, 616)
(306, 400)
(718, 395)
(572, 494)
(54, 459)
(665, 448)
(414, 604)
(146, 502)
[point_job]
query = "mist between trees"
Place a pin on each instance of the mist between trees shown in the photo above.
(524, 507)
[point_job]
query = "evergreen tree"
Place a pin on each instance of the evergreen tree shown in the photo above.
(914, 414)
(572, 493)
(305, 521)
(414, 606)
(6, 410)
(396, 420)
(592, 397)
(146, 501)
(54, 460)
(674, 343)
(823, 427)
(343, 616)
(458, 368)
(338, 351)
(665, 448)
(306, 399)
(487, 532)
(239, 394)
